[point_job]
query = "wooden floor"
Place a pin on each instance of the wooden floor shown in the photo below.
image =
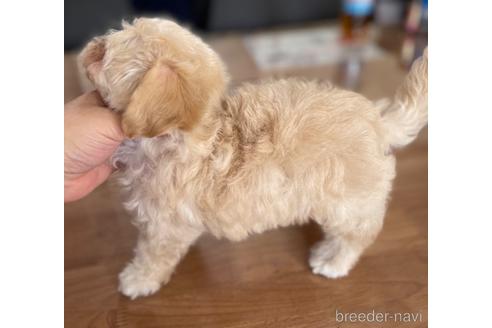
(264, 281)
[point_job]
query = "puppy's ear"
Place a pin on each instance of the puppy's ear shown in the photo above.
(161, 102)
(91, 57)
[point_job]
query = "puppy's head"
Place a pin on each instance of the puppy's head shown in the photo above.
(157, 74)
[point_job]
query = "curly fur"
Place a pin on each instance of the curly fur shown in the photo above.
(232, 164)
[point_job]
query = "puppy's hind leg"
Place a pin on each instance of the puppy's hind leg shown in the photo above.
(159, 249)
(344, 242)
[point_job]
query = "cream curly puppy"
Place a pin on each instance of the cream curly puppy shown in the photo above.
(263, 156)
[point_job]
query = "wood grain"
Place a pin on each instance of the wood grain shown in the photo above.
(264, 281)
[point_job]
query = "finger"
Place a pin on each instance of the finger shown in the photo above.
(87, 111)
(111, 120)
(110, 125)
(82, 186)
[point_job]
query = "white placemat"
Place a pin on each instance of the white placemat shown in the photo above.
(310, 47)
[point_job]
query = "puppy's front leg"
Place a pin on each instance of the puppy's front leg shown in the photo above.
(159, 249)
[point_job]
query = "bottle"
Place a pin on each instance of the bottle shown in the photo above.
(416, 36)
(356, 17)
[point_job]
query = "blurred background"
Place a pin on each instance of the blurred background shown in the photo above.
(264, 281)
(338, 40)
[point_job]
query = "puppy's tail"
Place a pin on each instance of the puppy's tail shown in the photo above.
(406, 114)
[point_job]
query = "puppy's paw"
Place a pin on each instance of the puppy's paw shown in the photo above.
(328, 269)
(326, 260)
(133, 283)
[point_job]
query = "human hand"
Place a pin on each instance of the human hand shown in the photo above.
(92, 134)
